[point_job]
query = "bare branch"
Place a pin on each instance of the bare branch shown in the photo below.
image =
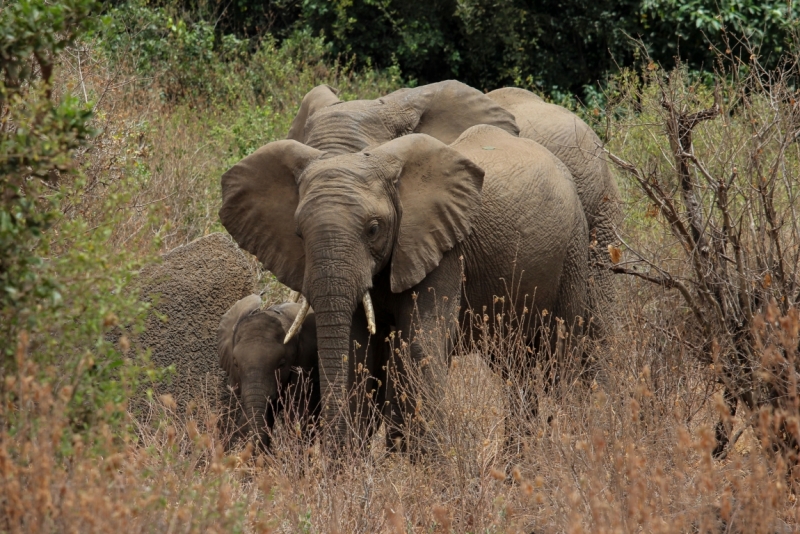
(668, 283)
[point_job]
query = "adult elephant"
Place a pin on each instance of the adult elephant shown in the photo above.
(445, 110)
(442, 110)
(573, 142)
(408, 221)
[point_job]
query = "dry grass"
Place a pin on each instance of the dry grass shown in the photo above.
(633, 456)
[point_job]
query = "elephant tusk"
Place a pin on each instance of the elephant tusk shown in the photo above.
(298, 321)
(370, 312)
(294, 296)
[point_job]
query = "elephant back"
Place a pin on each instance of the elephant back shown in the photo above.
(193, 286)
(442, 110)
(571, 140)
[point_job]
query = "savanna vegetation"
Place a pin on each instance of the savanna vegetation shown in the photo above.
(117, 120)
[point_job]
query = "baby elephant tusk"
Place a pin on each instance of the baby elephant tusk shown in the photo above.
(370, 312)
(294, 296)
(298, 321)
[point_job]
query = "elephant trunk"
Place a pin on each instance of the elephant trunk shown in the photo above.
(333, 342)
(260, 416)
(332, 287)
(336, 277)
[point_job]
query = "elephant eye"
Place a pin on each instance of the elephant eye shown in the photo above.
(372, 228)
(298, 233)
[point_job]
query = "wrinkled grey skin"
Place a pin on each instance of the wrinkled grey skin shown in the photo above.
(401, 220)
(442, 110)
(578, 147)
(266, 374)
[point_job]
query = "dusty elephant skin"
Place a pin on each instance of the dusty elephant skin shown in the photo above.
(267, 374)
(395, 221)
(578, 147)
(445, 110)
(193, 286)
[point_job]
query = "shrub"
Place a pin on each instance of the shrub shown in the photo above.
(38, 138)
(716, 168)
(64, 284)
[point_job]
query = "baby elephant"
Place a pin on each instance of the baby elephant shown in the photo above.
(266, 374)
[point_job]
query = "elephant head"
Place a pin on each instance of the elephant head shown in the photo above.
(250, 343)
(442, 110)
(327, 225)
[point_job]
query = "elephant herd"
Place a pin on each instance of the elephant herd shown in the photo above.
(392, 217)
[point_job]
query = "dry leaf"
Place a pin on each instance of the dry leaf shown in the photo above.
(767, 281)
(615, 253)
(168, 401)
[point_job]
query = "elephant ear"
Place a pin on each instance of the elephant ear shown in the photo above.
(226, 331)
(440, 195)
(446, 109)
(259, 198)
(319, 97)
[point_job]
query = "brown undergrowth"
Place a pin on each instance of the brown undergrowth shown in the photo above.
(631, 455)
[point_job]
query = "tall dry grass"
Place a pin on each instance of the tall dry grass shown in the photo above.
(636, 456)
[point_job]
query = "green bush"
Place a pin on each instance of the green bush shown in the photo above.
(692, 29)
(39, 137)
(63, 285)
(188, 61)
(558, 47)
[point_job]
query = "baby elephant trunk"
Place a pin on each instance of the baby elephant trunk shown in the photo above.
(258, 404)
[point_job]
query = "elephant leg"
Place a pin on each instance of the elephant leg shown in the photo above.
(601, 296)
(570, 322)
(555, 344)
(427, 322)
(389, 394)
(301, 400)
(382, 347)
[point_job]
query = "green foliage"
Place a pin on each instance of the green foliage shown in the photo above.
(152, 39)
(63, 286)
(38, 137)
(34, 32)
(557, 47)
(188, 61)
(248, 18)
(547, 45)
(685, 29)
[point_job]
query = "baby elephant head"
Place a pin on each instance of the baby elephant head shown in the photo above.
(260, 366)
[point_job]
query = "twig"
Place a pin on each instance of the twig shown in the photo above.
(80, 76)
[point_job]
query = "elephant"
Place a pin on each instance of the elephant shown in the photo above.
(414, 231)
(444, 110)
(192, 286)
(573, 142)
(264, 372)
